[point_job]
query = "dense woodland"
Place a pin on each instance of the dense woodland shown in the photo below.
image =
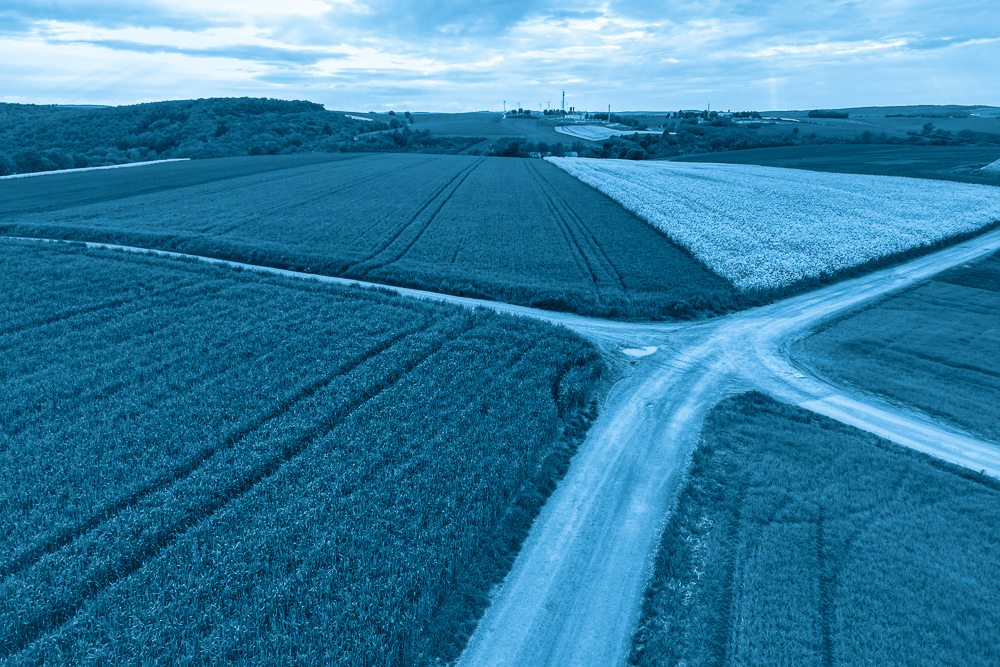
(43, 138)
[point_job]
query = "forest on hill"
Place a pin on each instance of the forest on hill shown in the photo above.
(44, 138)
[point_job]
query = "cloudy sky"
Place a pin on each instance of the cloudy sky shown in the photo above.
(465, 55)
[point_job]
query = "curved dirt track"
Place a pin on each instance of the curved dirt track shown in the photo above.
(573, 595)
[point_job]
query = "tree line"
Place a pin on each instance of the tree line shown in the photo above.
(44, 138)
(709, 133)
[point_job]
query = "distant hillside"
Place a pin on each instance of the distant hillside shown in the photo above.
(43, 138)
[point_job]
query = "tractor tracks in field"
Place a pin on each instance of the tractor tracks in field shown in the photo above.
(109, 304)
(573, 595)
(589, 254)
(407, 233)
(29, 625)
(263, 212)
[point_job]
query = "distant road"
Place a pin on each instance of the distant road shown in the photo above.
(573, 595)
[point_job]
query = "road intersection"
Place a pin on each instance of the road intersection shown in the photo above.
(573, 595)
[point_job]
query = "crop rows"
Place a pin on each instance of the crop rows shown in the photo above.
(217, 467)
(798, 540)
(520, 231)
(933, 347)
(766, 228)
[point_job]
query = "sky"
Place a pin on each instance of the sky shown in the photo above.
(464, 55)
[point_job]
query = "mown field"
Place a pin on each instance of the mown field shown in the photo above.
(801, 541)
(934, 347)
(520, 231)
(202, 466)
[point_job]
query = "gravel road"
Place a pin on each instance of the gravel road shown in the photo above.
(573, 595)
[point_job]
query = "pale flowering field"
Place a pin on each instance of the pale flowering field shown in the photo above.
(768, 227)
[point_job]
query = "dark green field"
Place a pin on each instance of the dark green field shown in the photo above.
(491, 125)
(204, 466)
(520, 231)
(894, 122)
(57, 191)
(934, 347)
(801, 541)
(952, 163)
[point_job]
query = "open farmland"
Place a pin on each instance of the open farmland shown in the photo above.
(490, 124)
(800, 541)
(949, 163)
(770, 230)
(892, 122)
(520, 231)
(934, 347)
(598, 133)
(53, 191)
(203, 465)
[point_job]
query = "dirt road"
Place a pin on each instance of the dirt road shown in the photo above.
(573, 595)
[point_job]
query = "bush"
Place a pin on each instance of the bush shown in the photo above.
(827, 113)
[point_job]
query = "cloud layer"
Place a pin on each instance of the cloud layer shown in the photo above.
(455, 55)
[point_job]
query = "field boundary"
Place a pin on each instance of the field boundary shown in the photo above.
(79, 169)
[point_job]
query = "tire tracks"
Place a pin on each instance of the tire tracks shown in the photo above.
(398, 255)
(577, 251)
(95, 308)
(601, 519)
(56, 541)
(363, 266)
(29, 627)
(588, 235)
(285, 208)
